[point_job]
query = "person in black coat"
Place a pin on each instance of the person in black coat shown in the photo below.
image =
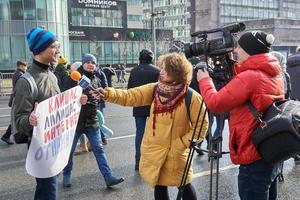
(293, 69)
(142, 74)
(109, 72)
(21, 69)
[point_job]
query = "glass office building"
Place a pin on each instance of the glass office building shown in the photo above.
(172, 15)
(103, 31)
(17, 17)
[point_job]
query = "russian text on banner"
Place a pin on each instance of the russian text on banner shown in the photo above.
(52, 138)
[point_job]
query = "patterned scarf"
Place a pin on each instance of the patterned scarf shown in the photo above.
(167, 96)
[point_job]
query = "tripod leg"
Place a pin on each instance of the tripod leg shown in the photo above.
(211, 178)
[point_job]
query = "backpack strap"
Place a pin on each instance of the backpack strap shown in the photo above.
(188, 100)
(28, 77)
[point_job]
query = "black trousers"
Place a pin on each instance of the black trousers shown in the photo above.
(161, 193)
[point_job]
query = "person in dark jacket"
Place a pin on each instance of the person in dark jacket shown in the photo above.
(293, 69)
(258, 80)
(88, 124)
(61, 72)
(103, 82)
(21, 69)
(142, 74)
(109, 72)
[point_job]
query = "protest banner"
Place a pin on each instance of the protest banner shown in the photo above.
(52, 138)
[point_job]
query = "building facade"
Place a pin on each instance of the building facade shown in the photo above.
(135, 14)
(111, 31)
(170, 15)
(280, 17)
(18, 17)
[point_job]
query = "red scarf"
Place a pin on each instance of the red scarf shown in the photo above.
(167, 96)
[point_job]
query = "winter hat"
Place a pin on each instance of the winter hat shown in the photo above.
(39, 39)
(62, 60)
(146, 56)
(256, 42)
(88, 57)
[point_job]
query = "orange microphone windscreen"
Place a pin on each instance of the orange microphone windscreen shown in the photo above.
(75, 75)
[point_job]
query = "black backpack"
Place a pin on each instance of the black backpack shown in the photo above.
(277, 138)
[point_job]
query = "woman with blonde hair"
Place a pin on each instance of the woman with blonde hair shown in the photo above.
(169, 128)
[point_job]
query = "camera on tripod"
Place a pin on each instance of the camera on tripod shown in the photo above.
(216, 49)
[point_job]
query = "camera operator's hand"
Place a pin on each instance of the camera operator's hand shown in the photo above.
(202, 73)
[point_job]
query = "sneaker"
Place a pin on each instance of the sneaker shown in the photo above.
(82, 148)
(113, 181)
(67, 181)
(7, 140)
(104, 141)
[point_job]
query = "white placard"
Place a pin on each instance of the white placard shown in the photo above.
(52, 138)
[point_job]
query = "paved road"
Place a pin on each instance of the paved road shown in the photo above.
(88, 184)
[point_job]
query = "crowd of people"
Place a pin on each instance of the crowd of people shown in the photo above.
(164, 124)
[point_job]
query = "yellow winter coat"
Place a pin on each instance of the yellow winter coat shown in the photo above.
(163, 154)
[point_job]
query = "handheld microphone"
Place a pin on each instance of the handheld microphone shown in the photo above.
(84, 81)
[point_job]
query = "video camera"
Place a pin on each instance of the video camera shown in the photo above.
(216, 49)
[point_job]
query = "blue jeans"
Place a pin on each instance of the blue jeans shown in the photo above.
(258, 181)
(140, 123)
(45, 188)
(95, 141)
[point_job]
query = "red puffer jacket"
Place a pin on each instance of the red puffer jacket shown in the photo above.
(259, 80)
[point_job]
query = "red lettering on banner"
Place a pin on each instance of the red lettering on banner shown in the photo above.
(50, 105)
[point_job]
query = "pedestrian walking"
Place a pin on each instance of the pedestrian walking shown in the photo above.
(11, 129)
(142, 74)
(88, 124)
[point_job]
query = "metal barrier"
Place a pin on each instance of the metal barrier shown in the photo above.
(6, 83)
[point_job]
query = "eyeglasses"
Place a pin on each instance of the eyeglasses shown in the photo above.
(55, 46)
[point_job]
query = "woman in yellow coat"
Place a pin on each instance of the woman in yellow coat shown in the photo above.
(169, 128)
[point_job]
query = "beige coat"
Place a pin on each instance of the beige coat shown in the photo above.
(163, 154)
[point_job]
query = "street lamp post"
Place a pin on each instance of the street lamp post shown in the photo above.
(153, 44)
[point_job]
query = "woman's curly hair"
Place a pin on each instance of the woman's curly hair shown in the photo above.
(177, 66)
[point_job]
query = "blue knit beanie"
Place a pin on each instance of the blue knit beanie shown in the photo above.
(88, 57)
(39, 39)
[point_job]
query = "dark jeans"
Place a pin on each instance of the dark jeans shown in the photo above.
(140, 123)
(258, 181)
(45, 188)
(95, 141)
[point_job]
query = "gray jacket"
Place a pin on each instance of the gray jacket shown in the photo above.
(24, 101)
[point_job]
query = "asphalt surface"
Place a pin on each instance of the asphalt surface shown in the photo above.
(88, 183)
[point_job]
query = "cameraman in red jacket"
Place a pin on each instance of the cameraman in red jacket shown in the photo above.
(258, 80)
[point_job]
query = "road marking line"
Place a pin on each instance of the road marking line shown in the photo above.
(205, 173)
(121, 137)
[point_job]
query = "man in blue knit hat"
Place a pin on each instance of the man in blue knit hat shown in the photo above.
(45, 48)
(88, 124)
